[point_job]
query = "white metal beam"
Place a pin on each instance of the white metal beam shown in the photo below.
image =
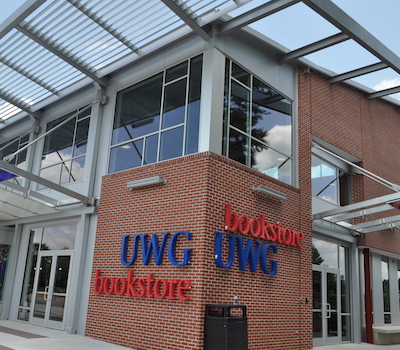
(254, 15)
(19, 15)
(334, 14)
(19, 104)
(188, 16)
(318, 45)
(59, 51)
(385, 92)
(49, 184)
(28, 75)
(103, 24)
(358, 72)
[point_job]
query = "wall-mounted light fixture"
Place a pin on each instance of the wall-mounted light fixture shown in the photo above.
(270, 192)
(148, 181)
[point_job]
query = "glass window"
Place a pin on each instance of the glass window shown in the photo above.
(63, 158)
(386, 290)
(10, 147)
(158, 118)
(4, 249)
(42, 239)
(324, 178)
(257, 124)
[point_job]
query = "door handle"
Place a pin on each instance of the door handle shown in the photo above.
(46, 293)
(328, 310)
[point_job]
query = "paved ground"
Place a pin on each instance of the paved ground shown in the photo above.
(23, 336)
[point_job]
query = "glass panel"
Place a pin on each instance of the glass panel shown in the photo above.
(150, 154)
(193, 113)
(238, 146)
(4, 249)
(82, 132)
(57, 308)
(77, 168)
(240, 74)
(126, 156)
(44, 273)
(268, 161)
(137, 110)
(59, 237)
(332, 324)
(39, 310)
(171, 143)
(324, 180)
(65, 172)
(386, 290)
(29, 275)
(174, 104)
(346, 328)
(317, 304)
(239, 107)
(317, 288)
(58, 144)
(176, 72)
(61, 274)
(52, 173)
(271, 118)
(325, 253)
(317, 324)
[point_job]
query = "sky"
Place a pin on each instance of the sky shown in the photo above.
(298, 25)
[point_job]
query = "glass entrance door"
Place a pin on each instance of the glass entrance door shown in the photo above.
(50, 289)
(326, 306)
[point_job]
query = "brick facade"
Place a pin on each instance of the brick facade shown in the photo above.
(194, 200)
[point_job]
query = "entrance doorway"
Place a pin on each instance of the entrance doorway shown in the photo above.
(331, 294)
(326, 306)
(50, 289)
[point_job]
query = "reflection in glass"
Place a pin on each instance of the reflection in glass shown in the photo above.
(325, 253)
(171, 143)
(57, 308)
(240, 107)
(346, 328)
(259, 117)
(63, 146)
(174, 104)
(386, 290)
(59, 237)
(149, 109)
(35, 238)
(126, 156)
(324, 179)
(61, 274)
(137, 110)
(39, 309)
(317, 304)
(4, 249)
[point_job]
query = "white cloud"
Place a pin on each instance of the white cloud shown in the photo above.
(387, 84)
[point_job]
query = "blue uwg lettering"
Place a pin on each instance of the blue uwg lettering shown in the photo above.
(155, 248)
(251, 254)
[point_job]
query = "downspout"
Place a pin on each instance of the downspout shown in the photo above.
(368, 296)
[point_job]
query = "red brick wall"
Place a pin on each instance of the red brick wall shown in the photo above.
(367, 129)
(193, 200)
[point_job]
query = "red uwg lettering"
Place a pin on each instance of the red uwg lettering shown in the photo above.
(142, 287)
(261, 229)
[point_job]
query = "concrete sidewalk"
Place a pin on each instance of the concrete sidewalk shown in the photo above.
(23, 336)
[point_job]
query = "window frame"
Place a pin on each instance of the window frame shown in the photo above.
(252, 140)
(187, 148)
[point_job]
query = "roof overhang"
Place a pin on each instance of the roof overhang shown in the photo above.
(360, 218)
(52, 48)
(19, 202)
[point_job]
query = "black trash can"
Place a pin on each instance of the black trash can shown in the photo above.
(225, 327)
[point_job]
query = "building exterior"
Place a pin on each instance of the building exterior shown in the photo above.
(213, 169)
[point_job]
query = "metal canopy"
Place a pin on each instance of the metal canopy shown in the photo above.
(359, 218)
(18, 202)
(49, 49)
